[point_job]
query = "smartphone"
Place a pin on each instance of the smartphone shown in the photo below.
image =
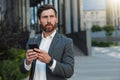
(32, 46)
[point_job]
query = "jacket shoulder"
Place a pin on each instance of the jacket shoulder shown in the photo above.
(64, 38)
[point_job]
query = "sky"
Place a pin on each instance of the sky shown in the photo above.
(93, 4)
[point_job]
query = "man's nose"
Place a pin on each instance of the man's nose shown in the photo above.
(48, 20)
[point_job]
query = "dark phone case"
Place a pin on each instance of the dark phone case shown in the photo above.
(32, 46)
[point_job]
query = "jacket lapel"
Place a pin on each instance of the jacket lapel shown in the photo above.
(39, 40)
(34, 62)
(54, 41)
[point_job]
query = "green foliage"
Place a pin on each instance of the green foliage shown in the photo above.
(13, 37)
(10, 70)
(103, 44)
(12, 54)
(10, 64)
(96, 28)
(108, 29)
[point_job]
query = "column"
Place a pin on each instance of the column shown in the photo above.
(67, 16)
(74, 15)
(20, 12)
(88, 42)
(60, 16)
(28, 14)
(119, 14)
(81, 19)
(23, 14)
(56, 5)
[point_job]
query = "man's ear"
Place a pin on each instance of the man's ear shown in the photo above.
(39, 21)
(56, 19)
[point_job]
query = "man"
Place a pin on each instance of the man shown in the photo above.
(54, 59)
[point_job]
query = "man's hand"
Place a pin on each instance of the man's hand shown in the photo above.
(43, 56)
(30, 56)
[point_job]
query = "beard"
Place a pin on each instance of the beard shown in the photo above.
(48, 27)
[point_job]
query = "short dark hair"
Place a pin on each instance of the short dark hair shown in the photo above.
(45, 7)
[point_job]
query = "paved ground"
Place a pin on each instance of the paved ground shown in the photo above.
(103, 64)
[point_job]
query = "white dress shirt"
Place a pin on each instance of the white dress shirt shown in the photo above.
(40, 69)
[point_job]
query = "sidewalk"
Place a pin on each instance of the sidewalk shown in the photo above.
(103, 64)
(113, 52)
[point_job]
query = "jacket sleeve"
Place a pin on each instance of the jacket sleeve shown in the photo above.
(65, 67)
(22, 68)
(22, 65)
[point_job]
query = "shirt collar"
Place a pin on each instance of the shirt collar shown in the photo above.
(52, 35)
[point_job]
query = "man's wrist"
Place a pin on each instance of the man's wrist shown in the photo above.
(50, 62)
(28, 62)
(27, 66)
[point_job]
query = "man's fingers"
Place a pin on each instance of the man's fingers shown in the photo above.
(31, 55)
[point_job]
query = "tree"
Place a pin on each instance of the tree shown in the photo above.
(13, 39)
(12, 34)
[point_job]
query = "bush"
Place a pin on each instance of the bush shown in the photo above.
(103, 44)
(10, 70)
(10, 64)
(96, 28)
(108, 29)
(12, 35)
(12, 54)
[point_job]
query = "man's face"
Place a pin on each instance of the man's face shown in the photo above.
(48, 20)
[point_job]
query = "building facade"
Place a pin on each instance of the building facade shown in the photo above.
(16, 11)
(70, 15)
(94, 17)
(113, 12)
(70, 23)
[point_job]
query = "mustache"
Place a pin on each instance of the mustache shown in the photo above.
(48, 24)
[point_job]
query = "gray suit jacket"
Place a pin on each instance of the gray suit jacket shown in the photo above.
(61, 49)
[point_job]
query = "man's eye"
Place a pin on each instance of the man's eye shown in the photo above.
(45, 17)
(51, 16)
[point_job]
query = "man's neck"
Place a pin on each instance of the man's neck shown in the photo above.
(45, 34)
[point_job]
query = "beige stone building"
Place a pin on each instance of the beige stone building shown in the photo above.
(94, 17)
(113, 12)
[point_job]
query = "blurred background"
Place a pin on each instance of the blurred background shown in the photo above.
(94, 26)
